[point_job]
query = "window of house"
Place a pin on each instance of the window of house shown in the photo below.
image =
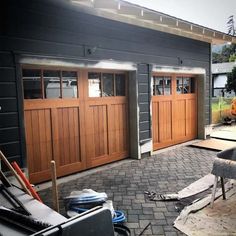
(94, 83)
(69, 84)
(184, 85)
(161, 85)
(106, 84)
(32, 84)
(120, 84)
(48, 84)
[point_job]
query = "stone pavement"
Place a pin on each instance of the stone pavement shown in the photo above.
(167, 171)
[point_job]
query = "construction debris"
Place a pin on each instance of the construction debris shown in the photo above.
(200, 219)
(197, 187)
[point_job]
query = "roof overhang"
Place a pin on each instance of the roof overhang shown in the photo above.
(129, 13)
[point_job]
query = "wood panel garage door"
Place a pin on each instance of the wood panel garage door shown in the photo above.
(77, 118)
(174, 110)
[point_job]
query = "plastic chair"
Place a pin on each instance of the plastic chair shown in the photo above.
(224, 166)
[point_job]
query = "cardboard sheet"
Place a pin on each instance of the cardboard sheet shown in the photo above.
(215, 144)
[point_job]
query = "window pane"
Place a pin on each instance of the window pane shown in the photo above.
(32, 84)
(69, 84)
(167, 86)
(179, 85)
(108, 85)
(52, 84)
(120, 85)
(158, 86)
(192, 85)
(94, 83)
(70, 74)
(186, 85)
(31, 73)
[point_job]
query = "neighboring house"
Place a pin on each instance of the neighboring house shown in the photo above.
(219, 79)
(87, 83)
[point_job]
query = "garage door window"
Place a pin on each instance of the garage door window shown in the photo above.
(106, 84)
(184, 85)
(48, 84)
(161, 85)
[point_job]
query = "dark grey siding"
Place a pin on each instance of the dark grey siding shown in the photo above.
(143, 79)
(10, 138)
(55, 29)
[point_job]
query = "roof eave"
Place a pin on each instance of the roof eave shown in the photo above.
(136, 15)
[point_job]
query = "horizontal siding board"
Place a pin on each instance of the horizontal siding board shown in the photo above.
(57, 27)
(67, 21)
(6, 59)
(11, 149)
(11, 159)
(8, 105)
(144, 97)
(143, 87)
(144, 107)
(76, 21)
(43, 47)
(7, 90)
(7, 75)
(145, 135)
(8, 120)
(50, 48)
(142, 78)
(144, 116)
(144, 126)
(9, 135)
(143, 69)
(52, 35)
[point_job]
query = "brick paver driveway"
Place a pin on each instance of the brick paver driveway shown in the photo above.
(125, 183)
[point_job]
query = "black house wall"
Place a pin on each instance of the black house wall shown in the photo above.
(55, 29)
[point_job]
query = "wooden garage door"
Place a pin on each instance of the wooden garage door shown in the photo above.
(77, 118)
(174, 110)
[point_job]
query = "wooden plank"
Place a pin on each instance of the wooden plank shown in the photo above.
(36, 140)
(105, 129)
(117, 123)
(55, 135)
(66, 144)
(48, 138)
(77, 135)
(42, 140)
(29, 138)
(72, 134)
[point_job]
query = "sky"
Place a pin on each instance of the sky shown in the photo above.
(209, 13)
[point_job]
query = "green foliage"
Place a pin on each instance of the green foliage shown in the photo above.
(232, 58)
(225, 54)
(231, 81)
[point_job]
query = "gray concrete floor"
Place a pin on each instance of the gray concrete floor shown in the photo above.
(167, 171)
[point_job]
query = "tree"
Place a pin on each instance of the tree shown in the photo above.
(231, 81)
(231, 27)
(232, 58)
(228, 53)
(224, 55)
